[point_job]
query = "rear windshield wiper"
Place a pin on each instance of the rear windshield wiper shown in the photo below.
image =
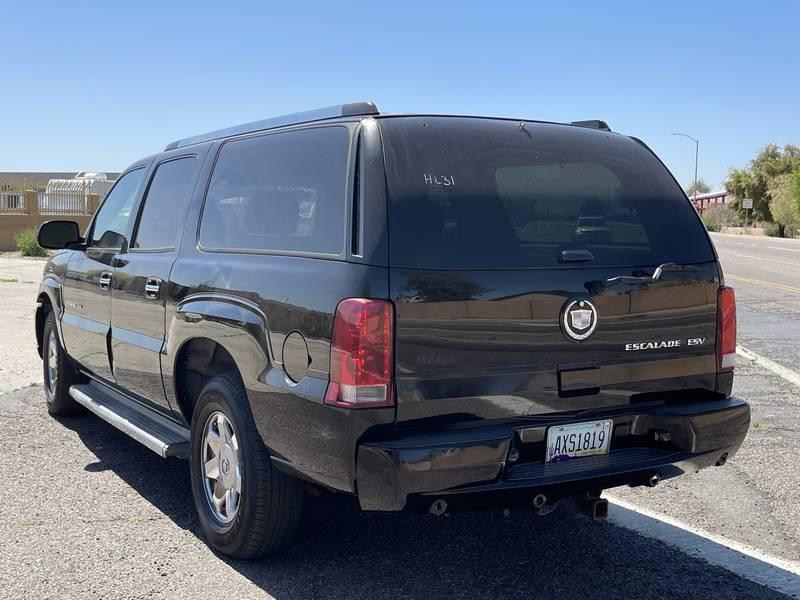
(598, 286)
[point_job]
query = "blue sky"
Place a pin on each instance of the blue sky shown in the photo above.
(94, 86)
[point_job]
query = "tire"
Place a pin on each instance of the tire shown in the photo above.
(263, 518)
(57, 380)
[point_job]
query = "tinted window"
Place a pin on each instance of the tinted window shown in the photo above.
(284, 191)
(169, 192)
(483, 193)
(112, 219)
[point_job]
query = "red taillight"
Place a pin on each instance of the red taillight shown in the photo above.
(726, 329)
(361, 354)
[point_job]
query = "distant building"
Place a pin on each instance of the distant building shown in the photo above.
(703, 201)
(33, 180)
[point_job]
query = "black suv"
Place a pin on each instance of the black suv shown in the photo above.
(421, 311)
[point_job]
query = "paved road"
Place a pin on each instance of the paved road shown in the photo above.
(89, 513)
(753, 499)
(766, 274)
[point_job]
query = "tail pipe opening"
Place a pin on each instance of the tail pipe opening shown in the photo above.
(438, 507)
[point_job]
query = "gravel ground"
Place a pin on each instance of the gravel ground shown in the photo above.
(92, 514)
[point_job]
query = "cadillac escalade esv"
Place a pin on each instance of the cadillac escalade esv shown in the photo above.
(421, 311)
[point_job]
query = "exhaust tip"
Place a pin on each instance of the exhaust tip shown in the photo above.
(438, 508)
(539, 500)
(654, 480)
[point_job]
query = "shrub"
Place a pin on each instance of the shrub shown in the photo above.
(718, 216)
(26, 243)
(774, 230)
(711, 222)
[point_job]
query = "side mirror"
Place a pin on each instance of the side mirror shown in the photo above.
(57, 235)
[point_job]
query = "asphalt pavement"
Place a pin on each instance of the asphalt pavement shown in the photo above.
(753, 499)
(89, 513)
(766, 275)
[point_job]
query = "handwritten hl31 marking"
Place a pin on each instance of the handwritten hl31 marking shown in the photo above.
(445, 180)
(658, 345)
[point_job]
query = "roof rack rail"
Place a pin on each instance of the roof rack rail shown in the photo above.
(321, 114)
(592, 124)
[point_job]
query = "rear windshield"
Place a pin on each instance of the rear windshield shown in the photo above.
(471, 193)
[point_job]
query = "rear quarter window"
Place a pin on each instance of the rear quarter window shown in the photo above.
(468, 193)
(280, 192)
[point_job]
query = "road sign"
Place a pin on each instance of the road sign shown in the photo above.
(747, 203)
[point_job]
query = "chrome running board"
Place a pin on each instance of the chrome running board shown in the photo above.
(156, 432)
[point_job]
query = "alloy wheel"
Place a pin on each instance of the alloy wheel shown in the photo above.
(52, 362)
(221, 464)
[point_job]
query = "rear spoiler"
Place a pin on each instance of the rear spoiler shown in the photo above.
(592, 124)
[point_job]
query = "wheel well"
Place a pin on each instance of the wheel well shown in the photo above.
(198, 361)
(44, 308)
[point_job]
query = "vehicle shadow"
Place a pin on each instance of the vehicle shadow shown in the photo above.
(342, 552)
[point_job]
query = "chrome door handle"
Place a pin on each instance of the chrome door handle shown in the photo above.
(152, 288)
(105, 280)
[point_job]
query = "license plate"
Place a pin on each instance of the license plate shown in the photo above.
(578, 439)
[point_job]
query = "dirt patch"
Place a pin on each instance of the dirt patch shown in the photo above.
(20, 365)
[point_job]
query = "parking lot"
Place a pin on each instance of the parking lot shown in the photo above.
(91, 513)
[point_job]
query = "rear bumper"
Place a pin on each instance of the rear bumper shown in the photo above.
(475, 460)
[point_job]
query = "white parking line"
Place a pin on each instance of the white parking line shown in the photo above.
(783, 248)
(770, 365)
(744, 561)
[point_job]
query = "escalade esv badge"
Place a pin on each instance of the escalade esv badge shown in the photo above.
(578, 318)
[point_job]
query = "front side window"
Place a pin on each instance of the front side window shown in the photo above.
(279, 192)
(164, 205)
(113, 217)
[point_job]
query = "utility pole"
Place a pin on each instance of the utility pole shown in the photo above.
(696, 156)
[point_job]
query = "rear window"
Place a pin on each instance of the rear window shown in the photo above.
(279, 192)
(471, 193)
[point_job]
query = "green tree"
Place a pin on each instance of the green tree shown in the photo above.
(755, 180)
(796, 187)
(783, 203)
(702, 188)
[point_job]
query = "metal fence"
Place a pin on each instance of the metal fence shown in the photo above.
(12, 203)
(58, 197)
(70, 196)
(55, 202)
(62, 202)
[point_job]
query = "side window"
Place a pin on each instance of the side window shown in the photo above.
(164, 204)
(282, 191)
(112, 219)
